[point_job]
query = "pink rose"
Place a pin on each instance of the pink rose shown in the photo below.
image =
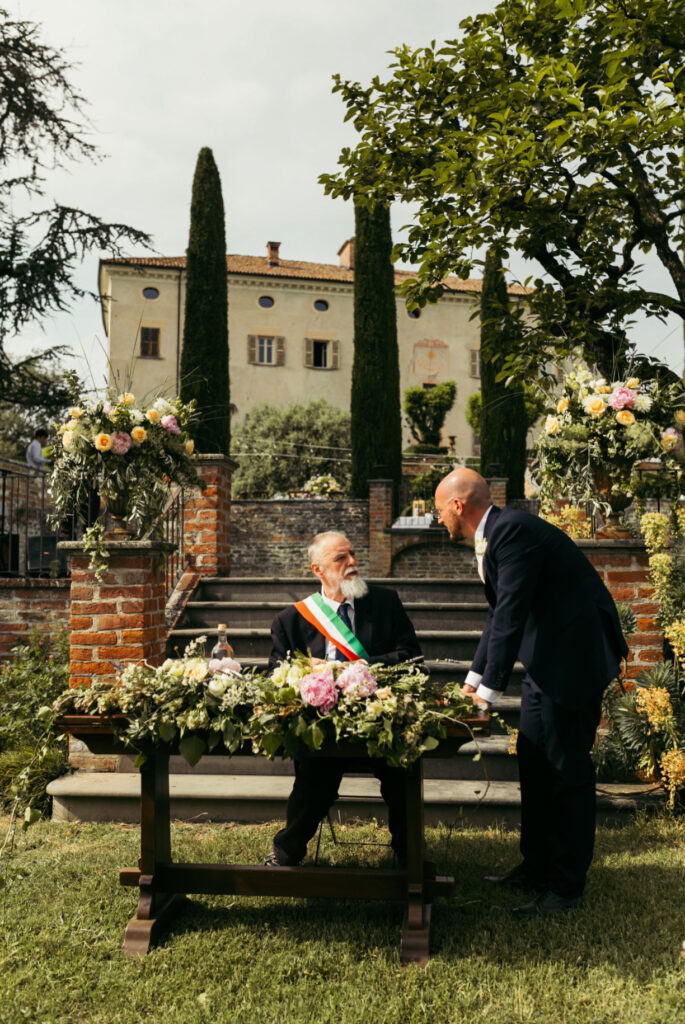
(357, 681)
(170, 423)
(107, 408)
(121, 442)
(319, 690)
(224, 665)
(622, 398)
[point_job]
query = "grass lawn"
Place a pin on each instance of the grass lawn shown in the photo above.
(278, 961)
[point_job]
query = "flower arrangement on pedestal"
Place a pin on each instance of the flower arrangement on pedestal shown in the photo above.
(599, 432)
(198, 703)
(322, 486)
(126, 453)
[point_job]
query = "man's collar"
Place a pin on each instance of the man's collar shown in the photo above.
(336, 604)
(480, 529)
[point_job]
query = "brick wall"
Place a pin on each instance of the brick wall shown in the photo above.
(623, 567)
(207, 518)
(120, 617)
(434, 558)
(28, 603)
(270, 538)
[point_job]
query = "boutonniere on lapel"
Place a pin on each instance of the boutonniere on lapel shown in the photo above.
(480, 546)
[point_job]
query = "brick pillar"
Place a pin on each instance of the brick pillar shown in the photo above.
(623, 566)
(207, 518)
(380, 521)
(121, 617)
(498, 490)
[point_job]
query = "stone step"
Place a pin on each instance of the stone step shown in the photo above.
(288, 589)
(112, 796)
(457, 644)
(207, 615)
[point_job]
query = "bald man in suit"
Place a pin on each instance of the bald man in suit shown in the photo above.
(549, 609)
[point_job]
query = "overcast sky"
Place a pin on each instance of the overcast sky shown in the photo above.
(252, 80)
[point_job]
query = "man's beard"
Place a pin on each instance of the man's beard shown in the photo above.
(353, 587)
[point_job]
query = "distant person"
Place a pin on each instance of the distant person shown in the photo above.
(34, 452)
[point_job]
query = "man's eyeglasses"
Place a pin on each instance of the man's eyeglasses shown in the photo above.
(435, 516)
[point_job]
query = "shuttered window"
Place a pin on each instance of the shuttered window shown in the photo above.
(266, 349)
(475, 363)
(149, 342)
(320, 354)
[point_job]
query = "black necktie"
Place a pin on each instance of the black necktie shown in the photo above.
(344, 616)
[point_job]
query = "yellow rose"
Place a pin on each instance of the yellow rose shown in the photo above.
(594, 405)
(139, 434)
(72, 424)
(75, 413)
(552, 425)
(127, 398)
(633, 383)
(67, 439)
(103, 442)
(605, 389)
(680, 417)
(153, 416)
(190, 447)
(562, 405)
(625, 417)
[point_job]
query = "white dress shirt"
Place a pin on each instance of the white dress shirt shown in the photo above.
(474, 678)
(334, 605)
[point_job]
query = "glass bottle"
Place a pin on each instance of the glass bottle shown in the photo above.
(222, 648)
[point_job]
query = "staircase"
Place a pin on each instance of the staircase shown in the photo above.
(448, 616)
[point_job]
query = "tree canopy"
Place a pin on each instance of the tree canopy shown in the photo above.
(553, 128)
(279, 448)
(426, 409)
(42, 242)
(204, 356)
(376, 425)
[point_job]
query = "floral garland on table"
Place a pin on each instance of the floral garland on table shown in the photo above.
(128, 454)
(606, 429)
(200, 703)
(324, 486)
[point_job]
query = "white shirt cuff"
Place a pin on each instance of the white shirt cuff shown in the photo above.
(472, 679)
(485, 693)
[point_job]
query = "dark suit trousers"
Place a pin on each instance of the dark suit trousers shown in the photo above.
(557, 789)
(314, 792)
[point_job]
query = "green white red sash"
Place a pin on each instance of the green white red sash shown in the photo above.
(315, 610)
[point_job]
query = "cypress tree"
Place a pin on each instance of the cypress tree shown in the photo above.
(376, 426)
(504, 420)
(204, 356)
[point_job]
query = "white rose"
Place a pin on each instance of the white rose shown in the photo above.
(176, 669)
(294, 676)
(163, 407)
(217, 687)
(136, 416)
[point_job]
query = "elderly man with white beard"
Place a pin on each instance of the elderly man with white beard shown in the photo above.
(347, 620)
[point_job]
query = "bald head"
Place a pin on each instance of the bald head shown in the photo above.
(462, 498)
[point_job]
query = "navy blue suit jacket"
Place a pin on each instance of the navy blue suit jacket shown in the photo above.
(548, 608)
(380, 621)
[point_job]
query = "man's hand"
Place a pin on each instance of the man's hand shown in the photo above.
(470, 691)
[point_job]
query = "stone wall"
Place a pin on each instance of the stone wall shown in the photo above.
(270, 537)
(27, 603)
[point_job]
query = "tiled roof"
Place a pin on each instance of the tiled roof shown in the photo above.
(299, 269)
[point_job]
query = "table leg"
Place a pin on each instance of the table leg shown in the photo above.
(155, 910)
(416, 927)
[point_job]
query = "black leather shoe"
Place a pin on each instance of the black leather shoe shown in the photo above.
(518, 878)
(271, 861)
(547, 903)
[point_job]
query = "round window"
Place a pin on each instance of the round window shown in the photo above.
(151, 293)
(265, 301)
(414, 314)
(321, 305)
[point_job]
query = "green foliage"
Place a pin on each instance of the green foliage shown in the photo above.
(42, 243)
(37, 673)
(426, 409)
(39, 773)
(550, 128)
(204, 355)
(37, 395)
(503, 419)
(279, 448)
(376, 422)
(423, 485)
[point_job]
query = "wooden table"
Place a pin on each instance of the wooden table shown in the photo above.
(164, 884)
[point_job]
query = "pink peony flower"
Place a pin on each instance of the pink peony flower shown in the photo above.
(121, 442)
(170, 423)
(319, 690)
(224, 665)
(622, 398)
(357, 681)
